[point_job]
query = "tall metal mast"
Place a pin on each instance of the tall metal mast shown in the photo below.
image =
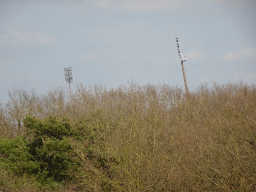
(68, 74)
(182, 59)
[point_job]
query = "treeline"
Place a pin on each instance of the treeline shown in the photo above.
(135, 138)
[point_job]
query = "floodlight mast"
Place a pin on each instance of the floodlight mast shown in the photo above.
(182, 59)
(68, 74)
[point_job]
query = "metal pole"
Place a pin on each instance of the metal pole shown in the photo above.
(184, 77)
(182, 59)
(68, 75)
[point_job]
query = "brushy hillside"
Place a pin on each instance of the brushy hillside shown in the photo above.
(135, 138)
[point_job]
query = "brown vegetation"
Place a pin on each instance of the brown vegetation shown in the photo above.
(160, 140)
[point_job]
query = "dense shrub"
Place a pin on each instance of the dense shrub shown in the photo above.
(148, 138)
(45, 153)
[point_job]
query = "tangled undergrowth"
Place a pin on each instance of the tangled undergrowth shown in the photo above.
(140, 138)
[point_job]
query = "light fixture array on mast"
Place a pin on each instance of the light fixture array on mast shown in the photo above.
(182, 59)
(68, 75)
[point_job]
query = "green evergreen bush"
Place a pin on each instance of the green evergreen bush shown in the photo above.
(45, 154)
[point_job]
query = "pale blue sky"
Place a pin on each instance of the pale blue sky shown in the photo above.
(113, 41)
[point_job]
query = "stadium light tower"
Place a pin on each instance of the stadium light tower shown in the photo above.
(68, 74)
(182, 59)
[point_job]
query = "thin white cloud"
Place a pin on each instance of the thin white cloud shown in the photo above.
(3, 37)
(37, 38)
(236, 4)
(195, 54)
(242, 54)
(140, 5)
(121, 56)
(205, 79)
(242, 76)
(88, 57)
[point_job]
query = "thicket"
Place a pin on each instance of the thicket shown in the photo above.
(44, 153)
(136, 138)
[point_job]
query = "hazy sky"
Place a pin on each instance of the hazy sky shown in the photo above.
(114, 41)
